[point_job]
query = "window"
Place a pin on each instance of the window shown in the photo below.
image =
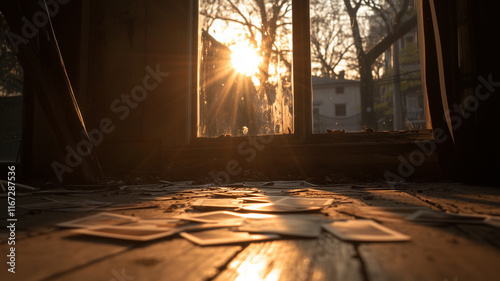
(395, 69)
(239, 87)
(340, 110)
(408, 41)
(245, 79)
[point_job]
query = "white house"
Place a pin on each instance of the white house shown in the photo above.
(336, 104)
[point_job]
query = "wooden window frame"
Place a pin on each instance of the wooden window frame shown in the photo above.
(303, 97)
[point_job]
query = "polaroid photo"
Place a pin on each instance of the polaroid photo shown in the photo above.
(183, 225)
(160, 222)
(217, 203)
(134, 233)
(303, 201)
(363, 231)
(278, 208)
(224, 236)
(197, 226)
(101, 219)
(234, 193)
(389, 214)
(442, 217)
(283, 225)
(273, 192)
(214, 217)
(297, 190)
(263, 199)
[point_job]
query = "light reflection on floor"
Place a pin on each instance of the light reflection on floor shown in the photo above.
(256, 271)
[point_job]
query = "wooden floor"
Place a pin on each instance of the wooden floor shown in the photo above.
(439, 252)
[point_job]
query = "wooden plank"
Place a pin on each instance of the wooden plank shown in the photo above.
(41, 257)
(326, 258)
(460, 198)
(170, 259)
(336, 260)
(436, 252)
(484, 233)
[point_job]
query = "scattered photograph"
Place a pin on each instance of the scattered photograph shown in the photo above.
(224, 236)
(217, 203)
(442, 217)
(215, 216)
(363, 231)
(101, 219)
(234, 193)
(283, 225)
(135, 233)
(389, 214)
(279, 208)
(304, 201)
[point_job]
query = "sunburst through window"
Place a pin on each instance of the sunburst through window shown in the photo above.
(245, 68)
(245, 59)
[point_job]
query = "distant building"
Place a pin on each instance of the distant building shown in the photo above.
(336, 104)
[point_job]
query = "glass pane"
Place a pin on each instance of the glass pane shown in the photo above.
(360, 82)
(245, 68)
(11, 100)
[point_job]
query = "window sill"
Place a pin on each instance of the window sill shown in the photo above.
(335, 137)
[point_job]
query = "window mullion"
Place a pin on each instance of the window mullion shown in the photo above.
(302, 85)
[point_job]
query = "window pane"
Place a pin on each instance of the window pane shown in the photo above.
(11, 100)
(340, 110)
(352, 92)
(245, 68)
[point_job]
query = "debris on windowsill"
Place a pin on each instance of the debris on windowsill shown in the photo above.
(335, 131)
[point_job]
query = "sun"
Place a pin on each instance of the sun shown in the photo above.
(245, 59)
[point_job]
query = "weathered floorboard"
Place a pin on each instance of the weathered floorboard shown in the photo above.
(172, 259)
(326, 258)
(436, 252)
(41, 257)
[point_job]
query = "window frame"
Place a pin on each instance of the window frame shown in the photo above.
(302, 96)
(344, 110)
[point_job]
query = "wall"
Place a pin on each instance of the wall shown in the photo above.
(128, 41)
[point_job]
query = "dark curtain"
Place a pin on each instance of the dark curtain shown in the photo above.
(462, 80)
(34, 42)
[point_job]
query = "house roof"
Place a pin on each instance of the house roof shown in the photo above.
(316, 80)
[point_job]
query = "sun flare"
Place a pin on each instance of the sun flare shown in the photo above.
(245, 59)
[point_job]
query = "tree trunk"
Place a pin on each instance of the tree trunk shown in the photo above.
(368, 118)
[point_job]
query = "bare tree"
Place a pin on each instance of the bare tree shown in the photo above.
(266, 24)
(331, 41)
(393, 16)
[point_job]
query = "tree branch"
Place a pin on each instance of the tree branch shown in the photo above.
(398, 32)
